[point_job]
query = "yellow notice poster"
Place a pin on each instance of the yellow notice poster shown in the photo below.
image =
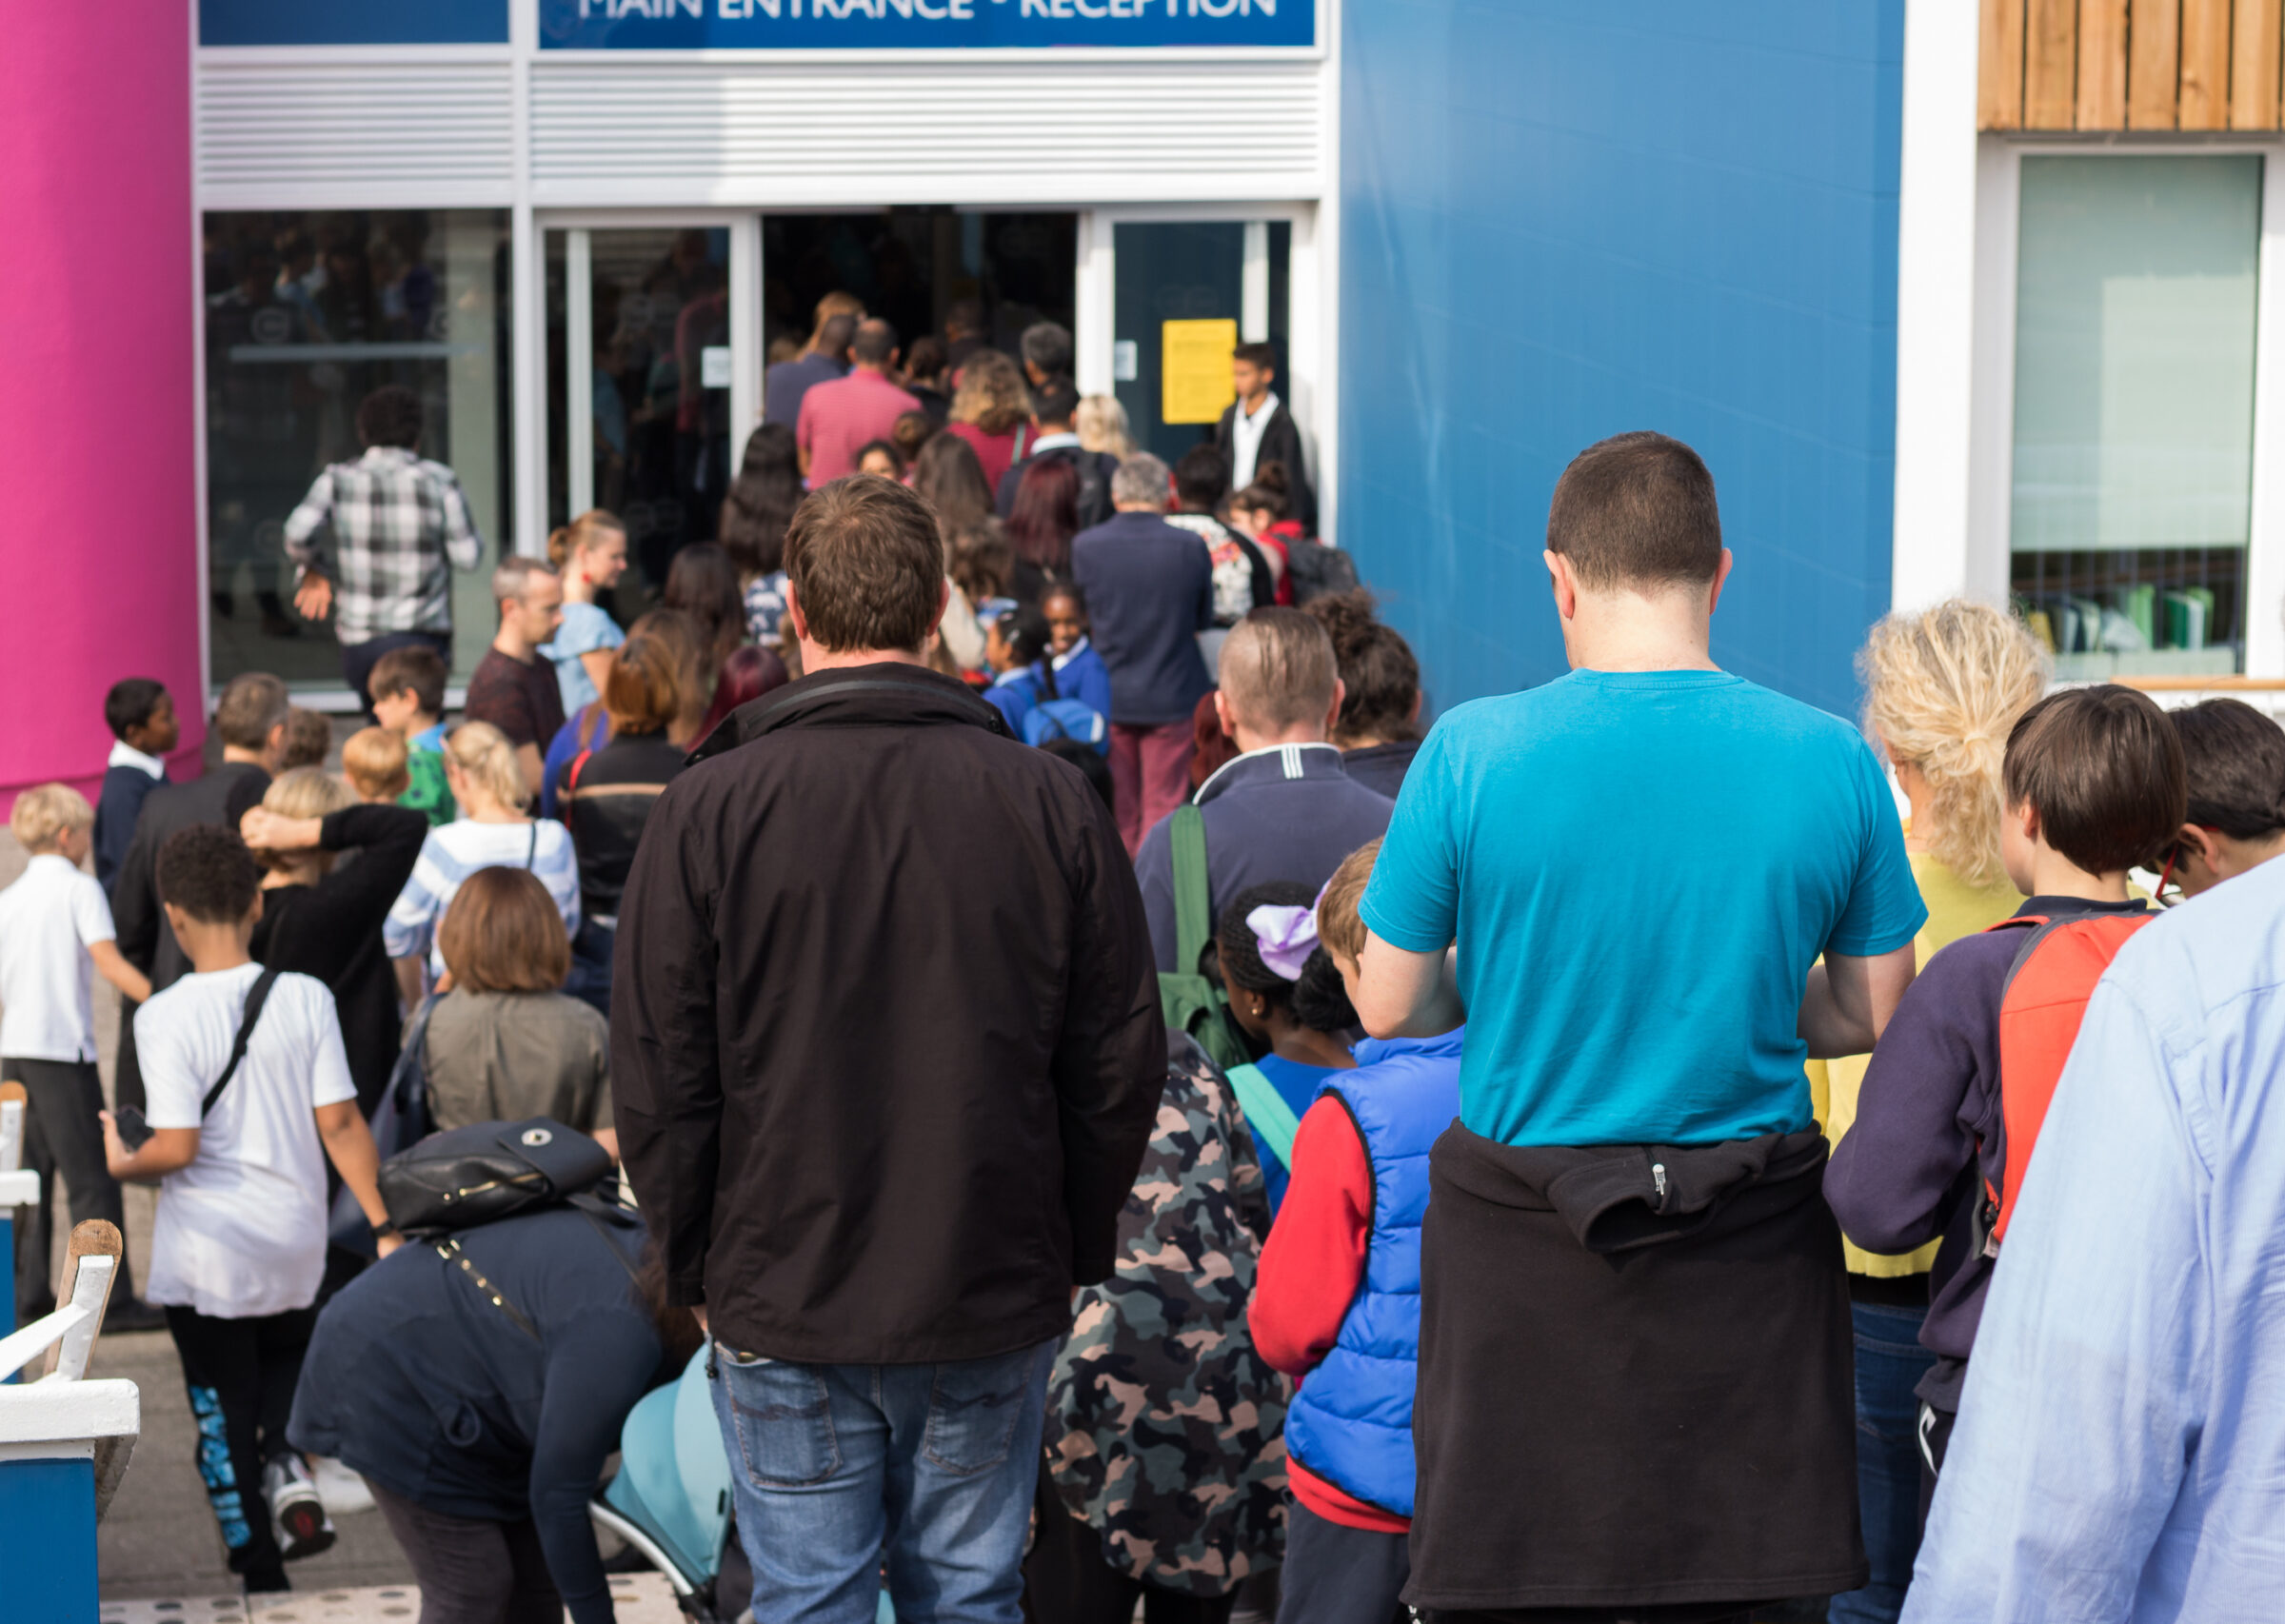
(1194, 371)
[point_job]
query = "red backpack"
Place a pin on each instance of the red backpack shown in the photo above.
(2045, 998)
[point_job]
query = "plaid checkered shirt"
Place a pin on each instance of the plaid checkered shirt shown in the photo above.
(397, 517)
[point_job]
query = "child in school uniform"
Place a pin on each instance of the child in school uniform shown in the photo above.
(248, 1096)
(55, 933)
(1080, 672)
(140, 714)
(1014, 646)
(1337, 1300)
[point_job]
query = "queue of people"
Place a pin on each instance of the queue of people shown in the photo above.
(1574, 1195)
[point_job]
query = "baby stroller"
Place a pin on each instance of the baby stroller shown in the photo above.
(671, 1498)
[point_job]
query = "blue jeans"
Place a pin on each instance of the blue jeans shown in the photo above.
(932, 1468)
(1890, 1363)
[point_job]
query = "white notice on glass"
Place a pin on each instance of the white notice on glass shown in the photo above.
(714, 366)
(1126, 365)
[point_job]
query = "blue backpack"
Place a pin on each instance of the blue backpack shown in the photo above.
(1067, 719)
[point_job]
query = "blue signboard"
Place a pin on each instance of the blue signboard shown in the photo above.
(352, 21)
(965, 24)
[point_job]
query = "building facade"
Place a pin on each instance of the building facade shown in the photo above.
(1953, 296)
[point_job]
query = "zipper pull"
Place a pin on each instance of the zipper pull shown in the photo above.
(1658, 1178)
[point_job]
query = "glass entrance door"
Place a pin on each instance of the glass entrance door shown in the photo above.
(641, 322)
(1184, 294)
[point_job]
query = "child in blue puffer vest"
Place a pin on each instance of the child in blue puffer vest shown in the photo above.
(1337, 1298)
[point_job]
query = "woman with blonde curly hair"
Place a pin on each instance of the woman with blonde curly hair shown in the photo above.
(991, 409)
(1942, 688)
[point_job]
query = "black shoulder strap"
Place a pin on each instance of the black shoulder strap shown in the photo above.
(531, 848)
(255, 997)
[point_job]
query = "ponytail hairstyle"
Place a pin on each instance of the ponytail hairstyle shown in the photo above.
(566, 542)
(1380, 680)
(1271, 492)
(1944, 687)
(487, 761)
(1318, 1000)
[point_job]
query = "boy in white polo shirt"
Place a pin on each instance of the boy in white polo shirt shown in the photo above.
(55, 932)
(249, 1093)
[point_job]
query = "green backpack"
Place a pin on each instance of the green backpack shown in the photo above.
(1190, 1002)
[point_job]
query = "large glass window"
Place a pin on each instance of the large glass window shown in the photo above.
(2135, 314)
(306, 313)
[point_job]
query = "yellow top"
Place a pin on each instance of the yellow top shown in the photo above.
(1955, 909)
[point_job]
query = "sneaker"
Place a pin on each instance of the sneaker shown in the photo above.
(304, 1529)
(341, 1489)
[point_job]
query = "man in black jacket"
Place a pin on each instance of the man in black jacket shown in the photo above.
(1258, 428)
(886, 1055)
(249, 719)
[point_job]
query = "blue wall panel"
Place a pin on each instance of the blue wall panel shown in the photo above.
(1563, 218)
(352, 21)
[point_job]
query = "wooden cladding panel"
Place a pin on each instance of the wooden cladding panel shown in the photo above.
(2102, 52)
(2105, 65)
(2154, 63)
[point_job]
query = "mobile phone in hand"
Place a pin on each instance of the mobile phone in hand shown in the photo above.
(134, 1132)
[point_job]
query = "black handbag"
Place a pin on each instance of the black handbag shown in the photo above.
(487, 1171)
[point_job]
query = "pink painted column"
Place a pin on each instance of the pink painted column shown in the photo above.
(98, 488)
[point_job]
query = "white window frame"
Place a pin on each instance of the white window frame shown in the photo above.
(1311, 316)
(1990, 441)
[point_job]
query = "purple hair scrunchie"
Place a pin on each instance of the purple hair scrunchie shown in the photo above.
(1285, 936)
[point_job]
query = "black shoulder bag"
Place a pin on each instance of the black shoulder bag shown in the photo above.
(255, 997)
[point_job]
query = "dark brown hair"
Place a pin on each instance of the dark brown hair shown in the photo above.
(390, 416)
(1636, 511)
(503, 935)
(2104, 768)
(1378, 671)
(2234, 760)
(205, 871)
(702, 582)
(422, 670)
(644, 693)
(762, 500)
(865, 564)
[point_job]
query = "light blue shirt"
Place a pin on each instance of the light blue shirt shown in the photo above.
(2120, 1450)
(1640, 867)
(586, 628)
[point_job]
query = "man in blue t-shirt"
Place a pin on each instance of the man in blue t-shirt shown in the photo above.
(1639, 865)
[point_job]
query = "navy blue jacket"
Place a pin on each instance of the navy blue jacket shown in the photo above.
(416, 1379)
(1150, 592)
(1290, 812)
(116, 807)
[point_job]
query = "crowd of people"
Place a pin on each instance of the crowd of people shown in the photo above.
(1138, 1123)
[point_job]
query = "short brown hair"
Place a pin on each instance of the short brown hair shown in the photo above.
(1636, 511)
(2102, 768)
(502, 934)
(249, 709)
(644, 693)
(1340, 927)
(865, 566)
(1277, 670)
(374, 759)
(308, 739)
(421, 671)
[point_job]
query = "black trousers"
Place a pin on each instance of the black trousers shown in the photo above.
(1067, 1581)
(472, 1571)
(358, 659)
(241, 1376)
(1338, 1574)
(61, 1135)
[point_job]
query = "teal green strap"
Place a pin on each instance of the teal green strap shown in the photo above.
(1193, 897)
(1266, 1113)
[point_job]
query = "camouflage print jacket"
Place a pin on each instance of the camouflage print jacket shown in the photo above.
(1165, 1429)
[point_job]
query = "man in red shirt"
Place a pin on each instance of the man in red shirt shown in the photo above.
(841, 417)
